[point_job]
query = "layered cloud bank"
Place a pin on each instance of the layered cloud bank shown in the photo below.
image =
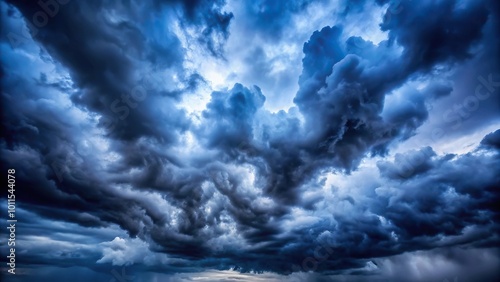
(267, 140)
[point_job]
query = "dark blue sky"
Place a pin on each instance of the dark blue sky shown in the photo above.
(252, 140)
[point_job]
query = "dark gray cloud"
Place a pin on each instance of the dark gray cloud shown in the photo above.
(492, 140)
(114, 169)
(429, 38)
(232, 115)
(208, 19)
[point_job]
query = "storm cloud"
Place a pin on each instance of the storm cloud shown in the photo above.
(137, 149)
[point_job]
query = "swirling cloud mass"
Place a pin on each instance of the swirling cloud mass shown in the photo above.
(304, 140)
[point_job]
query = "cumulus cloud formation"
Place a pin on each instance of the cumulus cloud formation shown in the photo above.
(150, 140)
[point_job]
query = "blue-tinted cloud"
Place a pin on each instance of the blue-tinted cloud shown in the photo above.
(116, 167)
